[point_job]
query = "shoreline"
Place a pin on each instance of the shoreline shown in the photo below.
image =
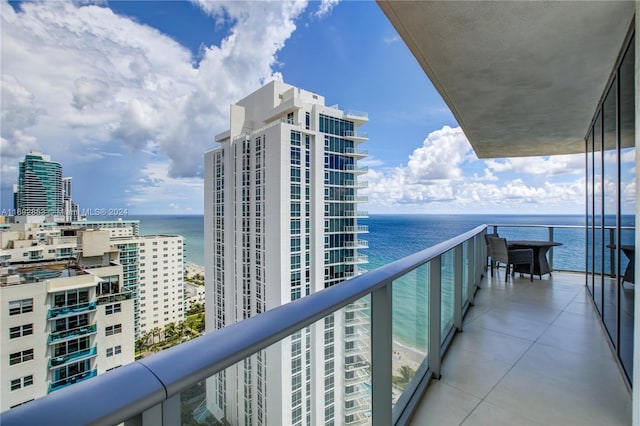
(191, 269)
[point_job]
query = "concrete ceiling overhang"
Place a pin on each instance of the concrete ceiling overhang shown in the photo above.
(521, 78)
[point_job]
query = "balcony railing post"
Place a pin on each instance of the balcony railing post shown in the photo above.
(166, 413)
(551, 250)
(381, 357)
(475, 272)
(471, 274)
(435, 285)
(458, 264)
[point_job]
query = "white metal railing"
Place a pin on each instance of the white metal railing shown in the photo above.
(148, 391)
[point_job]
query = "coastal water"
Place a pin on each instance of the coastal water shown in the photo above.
(392, 237)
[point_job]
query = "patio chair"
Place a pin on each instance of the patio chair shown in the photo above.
(500, 253)
(490, 261)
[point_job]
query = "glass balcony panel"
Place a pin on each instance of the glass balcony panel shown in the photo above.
(69, 334)
(71, 380)
(71, 310)
(447, 279)
(410, 329)
(320, 374)
(72, 357)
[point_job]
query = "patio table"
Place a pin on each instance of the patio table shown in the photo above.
(540, 249)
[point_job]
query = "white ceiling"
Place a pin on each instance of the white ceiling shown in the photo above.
(521, 78)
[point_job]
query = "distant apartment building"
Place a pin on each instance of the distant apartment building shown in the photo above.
(39, 186)
(161, 284)
(281, 222)
(153, 271)
(71, 210)
(41, 189)
(64, 312)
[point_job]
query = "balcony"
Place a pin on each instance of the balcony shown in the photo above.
(71, 380)
(112, 298)
(60, 336)
(353, 168)
(355, 152)
(531, 352)
(357, 229)
(357, 259)
(356, 244)
(72, 357)
(66, 311)
(350, 134)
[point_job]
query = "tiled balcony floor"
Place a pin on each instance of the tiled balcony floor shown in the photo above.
(530, 353)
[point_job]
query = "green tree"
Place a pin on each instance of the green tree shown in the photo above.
(406, 374)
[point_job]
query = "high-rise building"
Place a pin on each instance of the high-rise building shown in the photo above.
(153, 271)
(39, 186)
(281, 222)
(71, 210)
(65, 315)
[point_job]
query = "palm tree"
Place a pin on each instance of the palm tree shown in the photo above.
(169, 331)
(156, 331)
(406, 374)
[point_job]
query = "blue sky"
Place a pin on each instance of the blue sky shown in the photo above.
(127, 96)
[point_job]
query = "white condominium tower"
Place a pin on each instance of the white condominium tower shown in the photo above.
(281, 222)
(153, 271)
(64, 312)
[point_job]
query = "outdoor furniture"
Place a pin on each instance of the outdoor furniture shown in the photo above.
(521, 258)
(540, 249)
(486, 240)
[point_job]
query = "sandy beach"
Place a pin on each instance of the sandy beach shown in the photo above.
(193, 269)
(405, 355)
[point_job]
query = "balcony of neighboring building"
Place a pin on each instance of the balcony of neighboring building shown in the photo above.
(76, 378)
(68, 358)
(68, 310)
(63, 335)
(356, 135)
(358, 117)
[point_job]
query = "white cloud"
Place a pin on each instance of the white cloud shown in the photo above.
(434, 181)
(156, 191)
(325, 7)
(77, 75)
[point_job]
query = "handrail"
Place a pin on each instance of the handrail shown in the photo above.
(110, 399)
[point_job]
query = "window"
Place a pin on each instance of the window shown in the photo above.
(23, 306)
(22, 356)
(113, 309)
(113, 329)
(22, 383)
(23, 330)
(116, 350)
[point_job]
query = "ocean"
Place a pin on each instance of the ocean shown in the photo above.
(392, 237)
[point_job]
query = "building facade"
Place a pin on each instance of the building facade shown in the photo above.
(71, 209)
(39, 186)
(65, 314)
(153, 271)
(281, 222)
